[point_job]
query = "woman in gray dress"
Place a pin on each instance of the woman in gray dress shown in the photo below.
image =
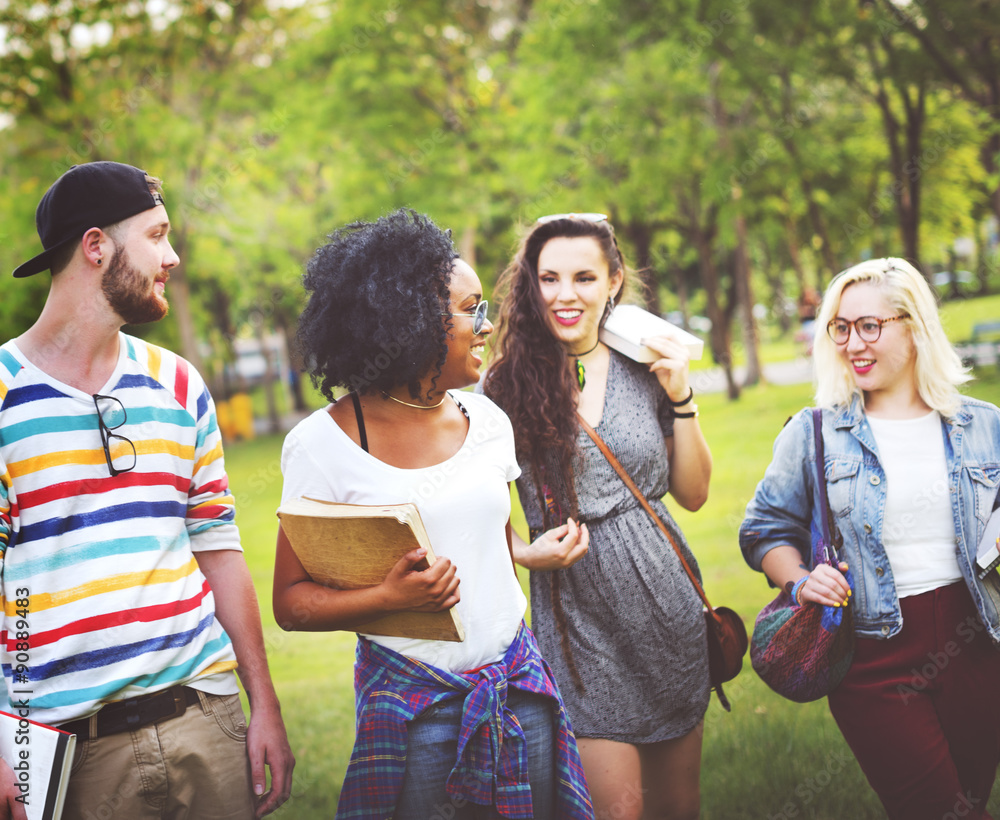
(614, 613)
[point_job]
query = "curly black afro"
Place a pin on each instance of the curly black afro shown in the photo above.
(377, 292)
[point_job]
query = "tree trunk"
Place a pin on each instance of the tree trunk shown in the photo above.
(467, 245)
(819, 226)
(982, 265)
(180, 303)
(988, 156)
(905, 161)
(274, 419)
(744, 293)
(774, 275)
(795, 256)
(640, 235)
(909, 216)
(220, 308)
(683, 298)
(719, 336)
(295, 363)
(815, 211)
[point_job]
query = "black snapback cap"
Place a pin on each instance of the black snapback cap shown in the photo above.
(92, 195)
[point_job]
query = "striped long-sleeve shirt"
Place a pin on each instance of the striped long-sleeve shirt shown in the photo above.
(102, 596)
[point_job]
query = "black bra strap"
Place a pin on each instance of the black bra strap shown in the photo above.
(361, 421)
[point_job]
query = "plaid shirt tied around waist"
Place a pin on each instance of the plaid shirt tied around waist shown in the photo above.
(492, 763)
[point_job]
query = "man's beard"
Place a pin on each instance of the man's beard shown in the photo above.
(129, 293)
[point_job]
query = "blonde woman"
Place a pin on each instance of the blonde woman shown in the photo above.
(913, 473)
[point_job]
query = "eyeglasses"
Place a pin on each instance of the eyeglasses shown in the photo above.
(110, 416)
(869, 328)
(477, 314)
(585, 217)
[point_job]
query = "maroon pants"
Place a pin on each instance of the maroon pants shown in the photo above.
(921, 710)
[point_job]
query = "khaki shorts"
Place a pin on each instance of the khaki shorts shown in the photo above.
(192, 767)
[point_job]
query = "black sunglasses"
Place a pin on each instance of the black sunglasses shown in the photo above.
(110, 416)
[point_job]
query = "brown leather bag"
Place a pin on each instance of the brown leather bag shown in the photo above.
(727, 636)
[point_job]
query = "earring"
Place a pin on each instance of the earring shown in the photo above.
(611, 306)
(99, 261)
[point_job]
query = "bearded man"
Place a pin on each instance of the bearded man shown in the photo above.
(129, 608)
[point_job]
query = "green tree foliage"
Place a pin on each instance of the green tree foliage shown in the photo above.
(745, 151)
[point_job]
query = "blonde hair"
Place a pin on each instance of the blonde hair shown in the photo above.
(939, 369)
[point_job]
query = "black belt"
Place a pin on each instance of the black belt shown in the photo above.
(134, 713)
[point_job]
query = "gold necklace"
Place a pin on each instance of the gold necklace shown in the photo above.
(416, 406)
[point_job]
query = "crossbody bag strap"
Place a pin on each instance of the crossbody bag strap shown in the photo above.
(828, 543)
(646, 506)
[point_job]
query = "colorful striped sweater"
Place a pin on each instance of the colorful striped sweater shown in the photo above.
(102, 596)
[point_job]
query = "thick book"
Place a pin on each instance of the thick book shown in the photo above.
(41, 757)
(628, 325)
(353, 546)
(988, 552)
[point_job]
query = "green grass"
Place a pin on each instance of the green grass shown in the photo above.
(769, 758)
(959, 315)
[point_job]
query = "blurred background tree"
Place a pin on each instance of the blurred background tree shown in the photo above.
(745, 152)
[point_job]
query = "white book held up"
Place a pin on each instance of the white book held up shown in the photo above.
(629, 325)
(41, 757)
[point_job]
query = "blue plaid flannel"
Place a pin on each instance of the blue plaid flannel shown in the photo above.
(492, 765)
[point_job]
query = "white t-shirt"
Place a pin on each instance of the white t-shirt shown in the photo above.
(918, 532)
(464, 503)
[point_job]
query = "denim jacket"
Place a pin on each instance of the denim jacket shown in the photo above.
(785, 505)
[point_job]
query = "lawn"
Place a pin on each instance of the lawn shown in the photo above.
(768, 759)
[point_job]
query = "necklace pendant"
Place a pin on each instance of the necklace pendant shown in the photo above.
(581, 374)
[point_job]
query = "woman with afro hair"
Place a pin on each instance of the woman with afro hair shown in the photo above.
(473, 729)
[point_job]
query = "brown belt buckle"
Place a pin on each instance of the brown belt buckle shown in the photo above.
(180, 702)
(138, 711)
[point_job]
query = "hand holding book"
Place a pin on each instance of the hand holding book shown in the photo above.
(414, 586)
(629, 326)
(10, 807)
(381, 551)
(35, 762)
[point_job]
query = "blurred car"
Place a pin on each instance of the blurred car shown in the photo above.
(694, 324)
(943, 278)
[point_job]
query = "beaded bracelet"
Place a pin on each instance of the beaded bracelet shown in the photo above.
(797, 588)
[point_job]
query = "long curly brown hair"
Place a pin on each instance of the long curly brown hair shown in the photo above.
(530, 378)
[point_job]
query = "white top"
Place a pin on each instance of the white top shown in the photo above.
(464, 503)
(918, 532)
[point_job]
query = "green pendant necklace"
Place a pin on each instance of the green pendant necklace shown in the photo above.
(579, 369)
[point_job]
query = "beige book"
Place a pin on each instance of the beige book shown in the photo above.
(629, 325)
(353, 546)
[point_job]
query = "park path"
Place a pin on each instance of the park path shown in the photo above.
(713, 380)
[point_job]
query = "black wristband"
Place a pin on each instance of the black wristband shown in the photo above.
(683, 401)
(691, 415)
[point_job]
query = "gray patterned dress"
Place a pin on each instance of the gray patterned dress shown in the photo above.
(635, 623)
